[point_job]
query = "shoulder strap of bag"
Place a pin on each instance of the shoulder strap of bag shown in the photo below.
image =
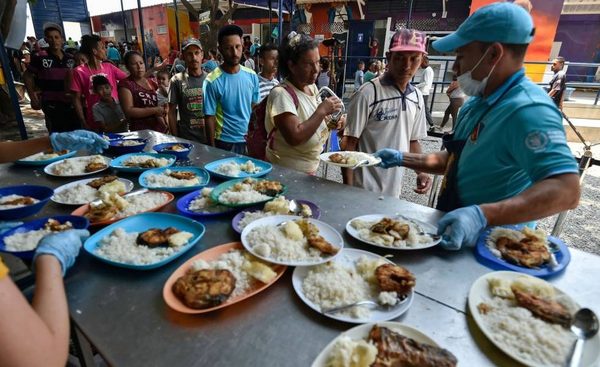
(292, 93)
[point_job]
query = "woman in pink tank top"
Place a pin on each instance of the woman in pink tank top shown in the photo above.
(138, 97)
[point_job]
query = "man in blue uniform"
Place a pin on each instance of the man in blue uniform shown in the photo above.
(508, 161)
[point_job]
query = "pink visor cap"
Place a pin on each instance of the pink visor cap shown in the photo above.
(409, 40)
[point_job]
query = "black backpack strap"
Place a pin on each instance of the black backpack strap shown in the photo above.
(375, 101)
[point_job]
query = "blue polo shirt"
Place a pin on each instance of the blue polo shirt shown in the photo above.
(229, 97)
(520, 141)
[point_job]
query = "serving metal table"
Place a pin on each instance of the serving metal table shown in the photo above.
(123, 315)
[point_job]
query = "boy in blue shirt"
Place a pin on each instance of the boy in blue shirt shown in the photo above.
(229, 91)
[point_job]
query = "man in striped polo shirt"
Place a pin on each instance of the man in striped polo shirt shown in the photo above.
(267, 79)
(50, 74)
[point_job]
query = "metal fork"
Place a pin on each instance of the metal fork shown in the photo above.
(362, 303)
(360, 163)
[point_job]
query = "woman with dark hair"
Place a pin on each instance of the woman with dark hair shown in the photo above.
(95, 51)
(324, 77)
(295, 118)
(139, 97)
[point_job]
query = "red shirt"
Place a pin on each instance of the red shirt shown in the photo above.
(143, 98)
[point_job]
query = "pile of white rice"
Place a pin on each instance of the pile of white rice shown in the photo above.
(271, 242)
(413, 240)
(332, 285)
(204, 204)
(80, 193)
(76, 166)
(121, 246)
(130, 143)
(234, 169)
(12, 197)
(242, 193)
(26, 241)
(83, 193)
(278, 206)
(142, 202)
(164, 180)
(41, 156)
(525, 335)
(234, 261)
(347, 352)
(136, 160)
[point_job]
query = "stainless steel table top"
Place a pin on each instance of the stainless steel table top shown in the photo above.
(123, 314)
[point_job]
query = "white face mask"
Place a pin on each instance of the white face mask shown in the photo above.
(473, 87)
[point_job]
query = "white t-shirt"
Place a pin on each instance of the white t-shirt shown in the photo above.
(249, 64)
(426, 80)
(303, 157)
(381, 117)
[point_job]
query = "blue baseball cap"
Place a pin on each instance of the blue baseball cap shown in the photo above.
(498, 22)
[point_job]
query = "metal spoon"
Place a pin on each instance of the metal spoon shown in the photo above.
(295, 207)
(362, 303)
(584, 326)
(434, 237)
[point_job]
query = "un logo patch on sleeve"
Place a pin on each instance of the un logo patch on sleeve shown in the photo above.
(536, 141)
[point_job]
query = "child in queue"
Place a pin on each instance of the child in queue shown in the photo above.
(107, 112)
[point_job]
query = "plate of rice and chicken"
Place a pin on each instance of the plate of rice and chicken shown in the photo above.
(393, 232)
(291, 240)
(217, 278)
(528, 319)
(145, 241)
(523, 249)
(355, 276)
(384, 344)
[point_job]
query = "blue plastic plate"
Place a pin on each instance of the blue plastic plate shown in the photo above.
(219, 189)
(77, 221)
(184, 202)
(182, 155)
(42, 193)
(485, 257)
(115, 147)
(265, 167)
(119, 162)
(46, 161)
(113, 136)
(143, 222)
(201, 173)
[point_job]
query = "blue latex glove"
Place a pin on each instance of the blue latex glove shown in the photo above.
(389, 157)
(78, 139)
(64, 246)
(7, 226)
(461, 227)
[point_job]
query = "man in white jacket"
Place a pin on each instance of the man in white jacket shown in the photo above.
(425, 86)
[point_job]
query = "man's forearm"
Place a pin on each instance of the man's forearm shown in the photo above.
(13, 150)
(434, 163)
(210, 129)
(349, 143)
(173, 119)
(544, 198)
(29, 82)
